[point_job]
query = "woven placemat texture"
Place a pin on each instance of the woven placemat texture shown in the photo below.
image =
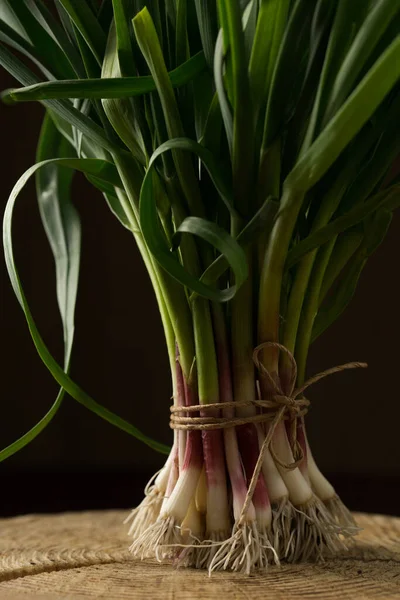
(85, 555)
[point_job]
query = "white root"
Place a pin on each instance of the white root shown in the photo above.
(187, 556)
(244, 551)
(158, 540)
(342, 516)
(282, 534)
(192, 532)
(268, 552)
(316, 535)
(148, 510)
(237, 551)
(146, 513)
(209, 547)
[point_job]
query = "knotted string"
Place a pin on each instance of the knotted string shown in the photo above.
(279, 406)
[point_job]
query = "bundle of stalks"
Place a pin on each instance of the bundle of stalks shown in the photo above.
(248, 147)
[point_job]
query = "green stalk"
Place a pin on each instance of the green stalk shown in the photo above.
(243, 129)
(272, 273)
(269, 184)
(159, 291)
(181, 41)
(242, 336)
(303, 272)
(204, 343)
(270, 29)
(242, 343)
(147, 38)
(345, 247)
(172, 302)
(206, 358)
(311, 309)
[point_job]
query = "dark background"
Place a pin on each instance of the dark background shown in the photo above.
(80, 461)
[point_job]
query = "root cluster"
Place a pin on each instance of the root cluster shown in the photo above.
(310, 532)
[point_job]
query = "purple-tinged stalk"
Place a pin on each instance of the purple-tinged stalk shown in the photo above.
(218, 523)
(244, 389)
(243, 550)
(302, 443)
(249, 451)
(201, 493)
(217, 512)
(180, 400)
(163, 537)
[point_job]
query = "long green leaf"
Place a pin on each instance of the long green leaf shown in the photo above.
(211, 135)
(58, 33)
(207, 19)
(348, 121)
(63, 108)
(222, 95)
(58, 373)
(353, 217)
(13, 38)
(62, 226)
(331, 310)
(30, 435)
(149, 44)
(305, 98)
(288, 55)
(347, 19)
(344, 248)
(46, 47)
(8, 16)
(243, 128)
(120, 112)
(83, 17)
(368, 36)
(114, 205)
(121, 9)
(271, 25)
(116, 87)
(60, 220)
(181, 39)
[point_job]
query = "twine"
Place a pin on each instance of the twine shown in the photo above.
(280, 406)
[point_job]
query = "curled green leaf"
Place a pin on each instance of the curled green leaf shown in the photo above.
(156, 239)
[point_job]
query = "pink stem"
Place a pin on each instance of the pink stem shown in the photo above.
(302, 440)
(235, 469)
(180, 400)
(249, 451)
